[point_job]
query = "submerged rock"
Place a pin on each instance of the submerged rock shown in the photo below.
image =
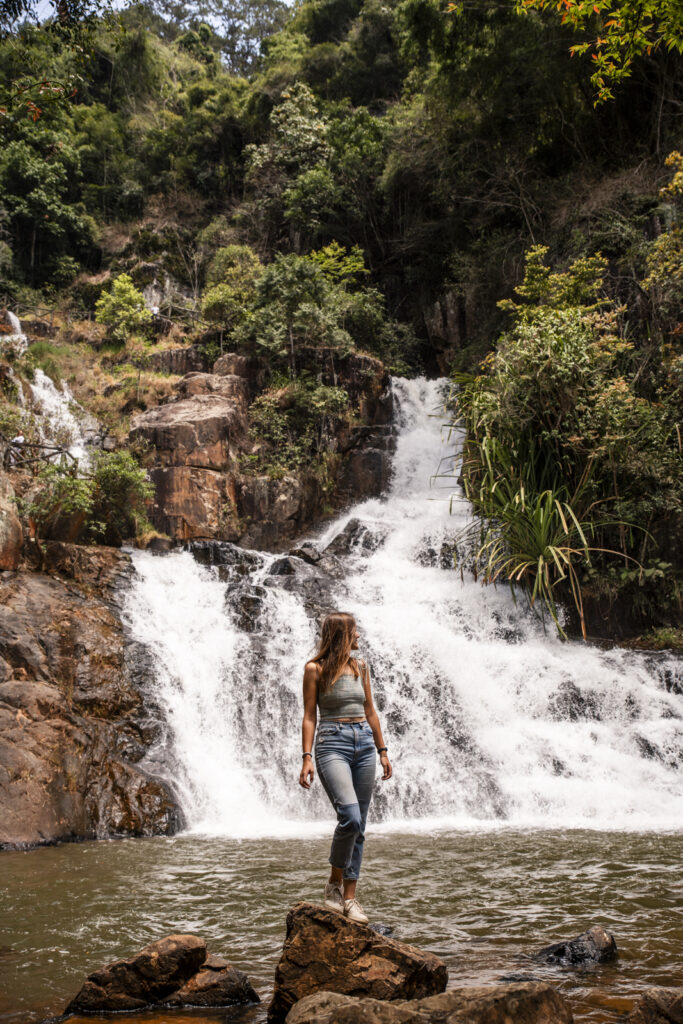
(596, 945)
(325, 951)
(356, 536)
(175, 971)
(308, 552)
(525, 1003)
(658, 1006)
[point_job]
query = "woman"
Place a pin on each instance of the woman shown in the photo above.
(349, 732)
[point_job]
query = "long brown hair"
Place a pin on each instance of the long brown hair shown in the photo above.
(333, 653)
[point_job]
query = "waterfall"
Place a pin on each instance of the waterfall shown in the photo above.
(489, 719)
(16, 338)
(61, 419)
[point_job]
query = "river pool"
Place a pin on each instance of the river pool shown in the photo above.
(483, 900)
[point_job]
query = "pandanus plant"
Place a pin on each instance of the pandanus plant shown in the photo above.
(535, 537)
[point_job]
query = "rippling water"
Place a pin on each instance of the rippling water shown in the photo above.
(482, 900)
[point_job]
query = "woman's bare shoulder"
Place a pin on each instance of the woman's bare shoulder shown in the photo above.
(313, 668)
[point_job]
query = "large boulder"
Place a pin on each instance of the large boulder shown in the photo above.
(522, 1003)
(195, 439)
(204, 427)
(324, 951)
(73, 722)
(175, 971)
(229, 386)
(658, 1006)
(232, 362)
(193, 502)
(11, 537)
(596, 945)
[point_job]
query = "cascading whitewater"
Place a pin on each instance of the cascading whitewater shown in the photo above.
(16, 340)
(61, 420)
(489, 719)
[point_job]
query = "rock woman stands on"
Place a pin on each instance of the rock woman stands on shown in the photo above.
(338, 682)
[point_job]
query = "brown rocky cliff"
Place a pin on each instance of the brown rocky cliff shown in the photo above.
(73, 726)
(195, 441)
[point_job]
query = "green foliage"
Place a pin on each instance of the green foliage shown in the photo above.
(107, 503)
(664, 263)
(121, 494)
(232, 277)
(620, 31)
(579, 285)
(529, 537)
(564, 457)
(122, 309)
(339, 264)
(39, 176)
(42, 355)
(63, 502)
(290, 309)
(291, 423)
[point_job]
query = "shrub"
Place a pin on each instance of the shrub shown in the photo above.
(106, 504)
(122, 309)
(121, 494)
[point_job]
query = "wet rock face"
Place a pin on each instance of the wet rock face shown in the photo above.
(180, 360)
(175, 971)
(658, 1006)
(594, 946)
(325, 951)
(73, 727)
(356, 536)
(500, 1004)
(11, 538)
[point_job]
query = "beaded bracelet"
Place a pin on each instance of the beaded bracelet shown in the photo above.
(307, 753)
(381, 750)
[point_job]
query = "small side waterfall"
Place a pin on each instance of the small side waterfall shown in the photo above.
(16, 338)
(489, 719)
(61, 420)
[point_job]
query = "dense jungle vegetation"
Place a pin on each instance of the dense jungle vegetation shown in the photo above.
(443, 186)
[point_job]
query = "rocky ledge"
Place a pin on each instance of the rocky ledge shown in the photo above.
(523, 1003)
(74, 728)
(175, 971)
(196, 440)
(325, 951)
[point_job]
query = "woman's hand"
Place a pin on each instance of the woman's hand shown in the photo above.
(307, 773)
(386, 767)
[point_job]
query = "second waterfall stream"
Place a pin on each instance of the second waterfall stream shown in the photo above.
(489, 719)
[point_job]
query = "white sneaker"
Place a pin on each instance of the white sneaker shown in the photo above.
(354, 912)
(334, 897)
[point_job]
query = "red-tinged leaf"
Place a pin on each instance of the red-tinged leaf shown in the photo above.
(596, 8)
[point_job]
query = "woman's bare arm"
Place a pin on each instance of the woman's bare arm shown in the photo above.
(311, 673)
(373, 721)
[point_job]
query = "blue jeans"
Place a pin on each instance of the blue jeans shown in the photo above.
(345, 757)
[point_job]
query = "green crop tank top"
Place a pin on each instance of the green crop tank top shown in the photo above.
(345, 699)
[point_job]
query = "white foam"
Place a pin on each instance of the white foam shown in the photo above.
(490, 720)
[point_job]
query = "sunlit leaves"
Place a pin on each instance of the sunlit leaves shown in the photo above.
(616, 32)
